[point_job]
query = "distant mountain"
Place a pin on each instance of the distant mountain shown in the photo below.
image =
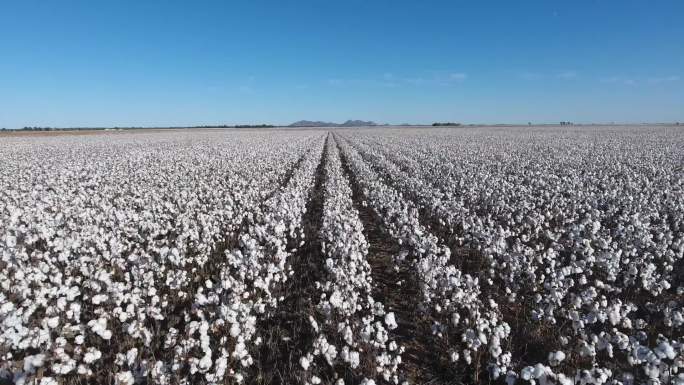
(309, 123)
(348, 123)
(357, 123)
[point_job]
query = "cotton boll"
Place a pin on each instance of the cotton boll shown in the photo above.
(92, 355)
(48, 381)
(31, 363)
(98, 299)
(65, 367)
(678, 379)
(235, 330)
(205, 363)
(555, 358)
(390, 321)
(99, 327)
(124, 378)
(84, 371)
(454, 356)
(10, 242)
(53, 322)
(527, 373)
(131, 356)
(305, 362)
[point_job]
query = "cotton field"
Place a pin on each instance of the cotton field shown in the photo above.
(503, 255)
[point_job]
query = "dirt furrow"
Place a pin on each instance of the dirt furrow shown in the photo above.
(471, 261)
(394, 284)
(288, 333)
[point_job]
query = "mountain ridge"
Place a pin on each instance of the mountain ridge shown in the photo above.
(348, 123)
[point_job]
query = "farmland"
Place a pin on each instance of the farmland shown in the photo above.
(344, 256)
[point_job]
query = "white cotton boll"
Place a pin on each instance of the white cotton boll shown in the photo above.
(665, 350)
(455, 319)
(390, 321)
(124, 378)
(53, 322)
(6, 308)
(527, 373)
(564, 380)
(354, 359)
(98, 299)
(555, 358)
(367, 381)
(495, 350)
(99, 327)
(313, 324)
(348, 335)
(60, 341)
(454, 356)
(48, 381)
(131, 356)
(92, 355)
(31, 363)
(65, 367)
(205, 363)
(305, 361)
(539, 371)
(315, 380)
(79, 339)
(84, 370)
(10, 241)
(330, 353)
(235, 330)
(336, 299)
(587, 350)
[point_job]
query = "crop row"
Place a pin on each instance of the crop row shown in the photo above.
(586, 254)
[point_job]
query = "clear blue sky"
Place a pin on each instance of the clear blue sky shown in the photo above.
(85, 63)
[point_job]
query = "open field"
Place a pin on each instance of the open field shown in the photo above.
(551, 255)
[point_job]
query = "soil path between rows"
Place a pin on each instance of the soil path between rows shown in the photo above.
(526, 333)
(395, 286)
(289, 334)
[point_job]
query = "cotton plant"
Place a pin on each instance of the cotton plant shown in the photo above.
(568, 232)
(107, 238)
(141, 256)
(351, 326)
(452, 299)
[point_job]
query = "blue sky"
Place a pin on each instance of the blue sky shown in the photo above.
(147, 63)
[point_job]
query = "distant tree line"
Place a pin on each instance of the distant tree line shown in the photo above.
(237, 126)
(254, 126)
(72, 128)
(440, 124)
(566, 123)
(36, 128)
